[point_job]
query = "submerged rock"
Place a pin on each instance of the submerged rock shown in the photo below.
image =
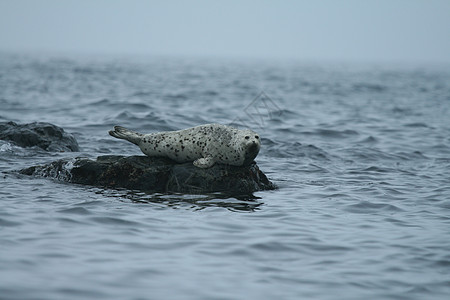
(40, 134)
(153, 174)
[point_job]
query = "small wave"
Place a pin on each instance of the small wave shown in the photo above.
(9, 150)
(84, 70)
(416, 125)
(111, 105)
(401, 223)
(273, 247)
(102, 102)
(210, 93)
(294, 149)
(126, 115)
(114, 221)
(282, 116)
(377, 169)
(330, 133)
(285, 113)
(60, 171)
(7, 223)
(445, 204)
(140, 94)
(75, 210)
(411, 155)
(370, 154)
(369, 140)
(369, 87)
(175, 96)
(402, 110)
(6, 147)
(442, 148)
(370, 207)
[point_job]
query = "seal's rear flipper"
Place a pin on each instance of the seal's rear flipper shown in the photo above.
(126, 134)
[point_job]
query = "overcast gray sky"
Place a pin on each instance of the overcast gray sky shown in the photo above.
(362, 30)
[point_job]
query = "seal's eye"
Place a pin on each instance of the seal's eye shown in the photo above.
(256, 137)
(247, 137)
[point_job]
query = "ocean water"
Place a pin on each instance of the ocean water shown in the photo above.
(360, 153)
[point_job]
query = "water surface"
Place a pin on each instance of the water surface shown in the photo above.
(360, 152)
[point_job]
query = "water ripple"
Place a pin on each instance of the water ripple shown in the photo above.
(365, 207)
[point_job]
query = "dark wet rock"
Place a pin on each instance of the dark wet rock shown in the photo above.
(43, 135)
(152, 174)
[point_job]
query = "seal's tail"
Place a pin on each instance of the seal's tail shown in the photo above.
(126, 134)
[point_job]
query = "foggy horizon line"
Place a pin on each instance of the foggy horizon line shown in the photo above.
(80, 53)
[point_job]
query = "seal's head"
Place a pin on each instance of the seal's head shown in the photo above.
(250, 143)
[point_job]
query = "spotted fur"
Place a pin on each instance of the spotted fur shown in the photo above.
(204, 145)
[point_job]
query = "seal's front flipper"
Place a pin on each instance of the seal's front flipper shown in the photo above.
(204, 162)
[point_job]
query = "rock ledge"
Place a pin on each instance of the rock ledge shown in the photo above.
(152, 174)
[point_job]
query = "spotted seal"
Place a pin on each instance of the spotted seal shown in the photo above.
(205, 145)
